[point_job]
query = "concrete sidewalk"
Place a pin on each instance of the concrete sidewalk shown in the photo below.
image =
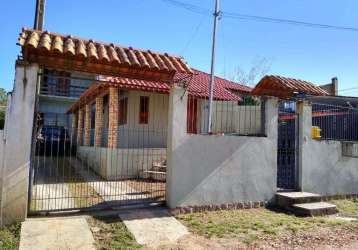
(70, 233)
(151, 226)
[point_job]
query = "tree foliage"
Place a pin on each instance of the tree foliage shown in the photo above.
(3, 102)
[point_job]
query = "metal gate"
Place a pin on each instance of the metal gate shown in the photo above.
(68, 173)
(287, 153)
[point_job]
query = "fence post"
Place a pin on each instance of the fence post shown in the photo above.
(177, 131)
(270, 122)
(304, 111)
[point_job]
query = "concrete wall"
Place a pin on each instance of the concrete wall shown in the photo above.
(2, 148)
(18, 139)
(205, 170)
(114, 164)
(323, 167)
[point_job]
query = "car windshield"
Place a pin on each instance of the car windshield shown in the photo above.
(54, 132)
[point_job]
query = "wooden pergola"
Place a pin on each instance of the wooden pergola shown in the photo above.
(69, 53)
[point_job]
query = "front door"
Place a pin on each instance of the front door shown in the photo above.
(287, 152)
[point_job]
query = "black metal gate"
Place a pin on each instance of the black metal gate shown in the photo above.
(68, 174)
(287, 153)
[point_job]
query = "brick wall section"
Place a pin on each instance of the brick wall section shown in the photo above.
(80, 127)
(98, 129)
(113, 117)
(74, 126)
(87, 125)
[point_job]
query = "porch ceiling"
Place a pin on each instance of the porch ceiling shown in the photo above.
(72, 53)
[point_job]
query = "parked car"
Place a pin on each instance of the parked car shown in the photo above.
(55, 141)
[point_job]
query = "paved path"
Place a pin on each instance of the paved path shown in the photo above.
(153, 225)
(108, 190)
(70, 233)
(50, 191)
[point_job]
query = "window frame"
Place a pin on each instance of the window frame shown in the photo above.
(143, 109)
(123, 113)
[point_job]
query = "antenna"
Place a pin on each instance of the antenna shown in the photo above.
(39, 14)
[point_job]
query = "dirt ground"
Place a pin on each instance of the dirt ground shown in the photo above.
(339, 238)
(243, 229)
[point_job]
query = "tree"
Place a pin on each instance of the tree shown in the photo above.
(3, 102)
(259, 68)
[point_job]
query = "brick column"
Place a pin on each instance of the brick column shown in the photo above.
(87, 125)
(74, 127)
(98, 127)
(113, 117)
(80, 127)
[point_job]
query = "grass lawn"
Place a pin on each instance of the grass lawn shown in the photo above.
(248, 226)
(10, 237)
(347, 207)
(111, 233)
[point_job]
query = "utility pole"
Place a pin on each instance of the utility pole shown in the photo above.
(217, 15)
(39, 14)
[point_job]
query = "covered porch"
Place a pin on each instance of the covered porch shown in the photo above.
(120, 127)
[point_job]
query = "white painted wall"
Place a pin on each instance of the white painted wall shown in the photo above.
(215, 170)
(151, 135)
(323, 167)
(116, 164)
(18, 139)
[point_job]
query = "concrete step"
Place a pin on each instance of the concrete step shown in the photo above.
(287, 199)
(314, 209)
(154, 175)
(159, 168)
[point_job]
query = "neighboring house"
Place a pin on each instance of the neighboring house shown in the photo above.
(286, 88)
(331, 88)
(335, 116)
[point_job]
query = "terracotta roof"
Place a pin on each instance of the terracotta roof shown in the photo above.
(53, 44)
(135, 84)
(198, 87)
(284, 87)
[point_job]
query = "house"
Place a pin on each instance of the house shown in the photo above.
(140, 118)
(105, 126)
(79, 77)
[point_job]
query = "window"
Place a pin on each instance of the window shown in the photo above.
(123, 107)
(56, 83)
(144, 110)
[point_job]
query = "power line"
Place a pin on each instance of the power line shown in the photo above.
(286, 21)
(349, 89)
(203, 11)
(193, 36)
(189, 7)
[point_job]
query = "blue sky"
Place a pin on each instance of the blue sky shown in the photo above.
(301, 52)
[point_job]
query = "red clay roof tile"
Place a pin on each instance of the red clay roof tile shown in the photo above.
(101, 52)
(284, 87)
